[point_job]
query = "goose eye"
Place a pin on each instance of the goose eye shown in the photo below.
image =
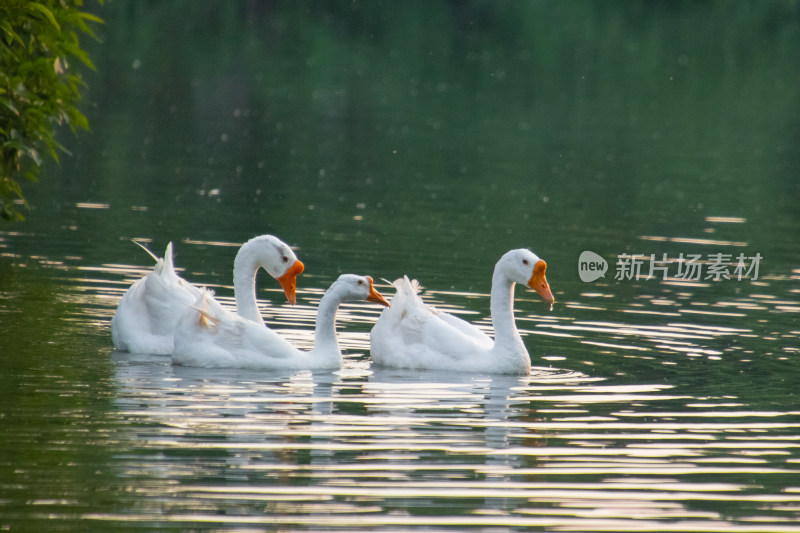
(285, 259)
(525, 262)
(361, 282)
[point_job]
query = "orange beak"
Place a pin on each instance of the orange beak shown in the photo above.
(288, 281)
(375, 296)
(539, 283)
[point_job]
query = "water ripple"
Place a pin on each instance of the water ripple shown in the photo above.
(596, 442)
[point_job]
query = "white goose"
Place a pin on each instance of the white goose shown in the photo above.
(148, 312)
(410, 334)
(210, 336)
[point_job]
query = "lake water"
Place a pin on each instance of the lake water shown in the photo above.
(384, 140)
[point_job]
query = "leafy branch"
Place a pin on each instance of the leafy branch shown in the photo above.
(39, 88)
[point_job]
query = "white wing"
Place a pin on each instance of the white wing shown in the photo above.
(148, 312)
(412, 334)
(210, 336)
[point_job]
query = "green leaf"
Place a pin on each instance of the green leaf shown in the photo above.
(78, 120)
(80, 54)
(9, 33)
(46, 12)
(89, 16)
(9, 105)
(33, 154)
(32, 176)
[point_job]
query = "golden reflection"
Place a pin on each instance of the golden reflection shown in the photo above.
(570, 305)
(650, 312)
(676, 282)
(692, 240)
(213, 243)
(727, 220)
(710, 313)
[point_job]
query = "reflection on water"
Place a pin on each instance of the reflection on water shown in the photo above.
(360, 448)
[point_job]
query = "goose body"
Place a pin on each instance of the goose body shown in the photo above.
(210, 336)
(148, 313)
(411, 334)
(145, 319)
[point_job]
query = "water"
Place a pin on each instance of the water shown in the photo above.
(389, 142)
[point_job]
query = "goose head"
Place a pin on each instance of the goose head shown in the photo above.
(274, 256)
(353, 288)
(524, 267)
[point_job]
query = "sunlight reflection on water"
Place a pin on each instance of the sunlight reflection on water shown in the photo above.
(521, 452)
(364, 448)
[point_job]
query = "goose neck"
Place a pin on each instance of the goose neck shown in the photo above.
(325, 341)
(245, 269)
(502, 308)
